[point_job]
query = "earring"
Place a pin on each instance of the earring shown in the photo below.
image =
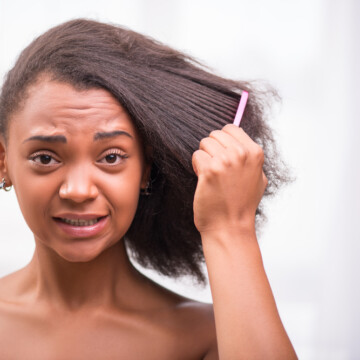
(147, 190)
(3, 185)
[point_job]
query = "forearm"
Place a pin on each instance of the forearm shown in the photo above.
(248, 325)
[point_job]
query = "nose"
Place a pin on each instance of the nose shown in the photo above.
(78, 186)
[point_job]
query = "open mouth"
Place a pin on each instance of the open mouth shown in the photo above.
(80, 222)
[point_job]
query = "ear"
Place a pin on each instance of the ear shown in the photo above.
(3, 163)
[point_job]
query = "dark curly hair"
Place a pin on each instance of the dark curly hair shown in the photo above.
(173, 101)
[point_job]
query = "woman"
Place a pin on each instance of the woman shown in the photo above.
(113, 141)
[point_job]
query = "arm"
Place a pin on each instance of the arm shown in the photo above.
(230, 186)
(248, 325)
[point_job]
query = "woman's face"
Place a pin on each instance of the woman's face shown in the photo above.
(77, 166)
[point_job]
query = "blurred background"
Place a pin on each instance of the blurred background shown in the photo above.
(310, 51)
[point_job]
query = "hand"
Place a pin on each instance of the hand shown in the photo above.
(231, 181)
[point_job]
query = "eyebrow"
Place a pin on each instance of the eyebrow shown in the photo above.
(62, 138)
(111, 134)
(47, 138)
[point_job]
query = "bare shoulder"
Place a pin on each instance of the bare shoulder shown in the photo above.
(197, 313)
(9, 285)
(11, 303)
(191, 322)
(197, 320)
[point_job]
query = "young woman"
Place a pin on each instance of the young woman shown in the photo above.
(115, 143)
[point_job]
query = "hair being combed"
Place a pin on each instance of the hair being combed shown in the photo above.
(173, 102)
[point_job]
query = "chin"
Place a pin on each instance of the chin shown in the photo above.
(82, 253)
(78, 258)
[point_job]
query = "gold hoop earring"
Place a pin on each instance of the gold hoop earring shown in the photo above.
(3, 185)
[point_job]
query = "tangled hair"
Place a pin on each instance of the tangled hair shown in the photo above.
(173, 102)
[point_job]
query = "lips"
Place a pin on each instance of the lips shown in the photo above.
(81, 225)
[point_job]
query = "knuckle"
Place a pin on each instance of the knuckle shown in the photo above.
(226, 161)
(241, 153)
(265, 179)
(229, 126)
(195, 154)
(214, 133)
(259, 153)
(202, 143)
(214, 169)
(259, 150)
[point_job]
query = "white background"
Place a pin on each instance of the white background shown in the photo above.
(310, 51)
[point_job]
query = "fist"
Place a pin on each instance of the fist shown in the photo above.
(231, 181)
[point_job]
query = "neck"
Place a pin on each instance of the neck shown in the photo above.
(106, 281)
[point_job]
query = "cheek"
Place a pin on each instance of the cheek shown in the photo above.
(33, 198)
(31, 191)
(33, 194)
(126, 192)
(124, 195)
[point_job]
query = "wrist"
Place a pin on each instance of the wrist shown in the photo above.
(229, 236)
(231, 246)
(239, 227)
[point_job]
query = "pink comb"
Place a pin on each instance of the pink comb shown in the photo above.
(241, 108)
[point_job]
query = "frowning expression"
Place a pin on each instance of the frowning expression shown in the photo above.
(77, 166)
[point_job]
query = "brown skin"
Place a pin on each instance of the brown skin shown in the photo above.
(230, 186)
(82, 298)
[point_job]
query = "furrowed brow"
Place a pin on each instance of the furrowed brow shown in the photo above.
(47, 138)
(111, 134)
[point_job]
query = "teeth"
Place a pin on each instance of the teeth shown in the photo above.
(80, 222)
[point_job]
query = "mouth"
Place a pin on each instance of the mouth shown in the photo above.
(82, 225)
(80, 222)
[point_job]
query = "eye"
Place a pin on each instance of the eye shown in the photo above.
(44, 159)
(113, 157)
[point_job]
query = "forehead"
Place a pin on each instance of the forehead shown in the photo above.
(53, 106)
